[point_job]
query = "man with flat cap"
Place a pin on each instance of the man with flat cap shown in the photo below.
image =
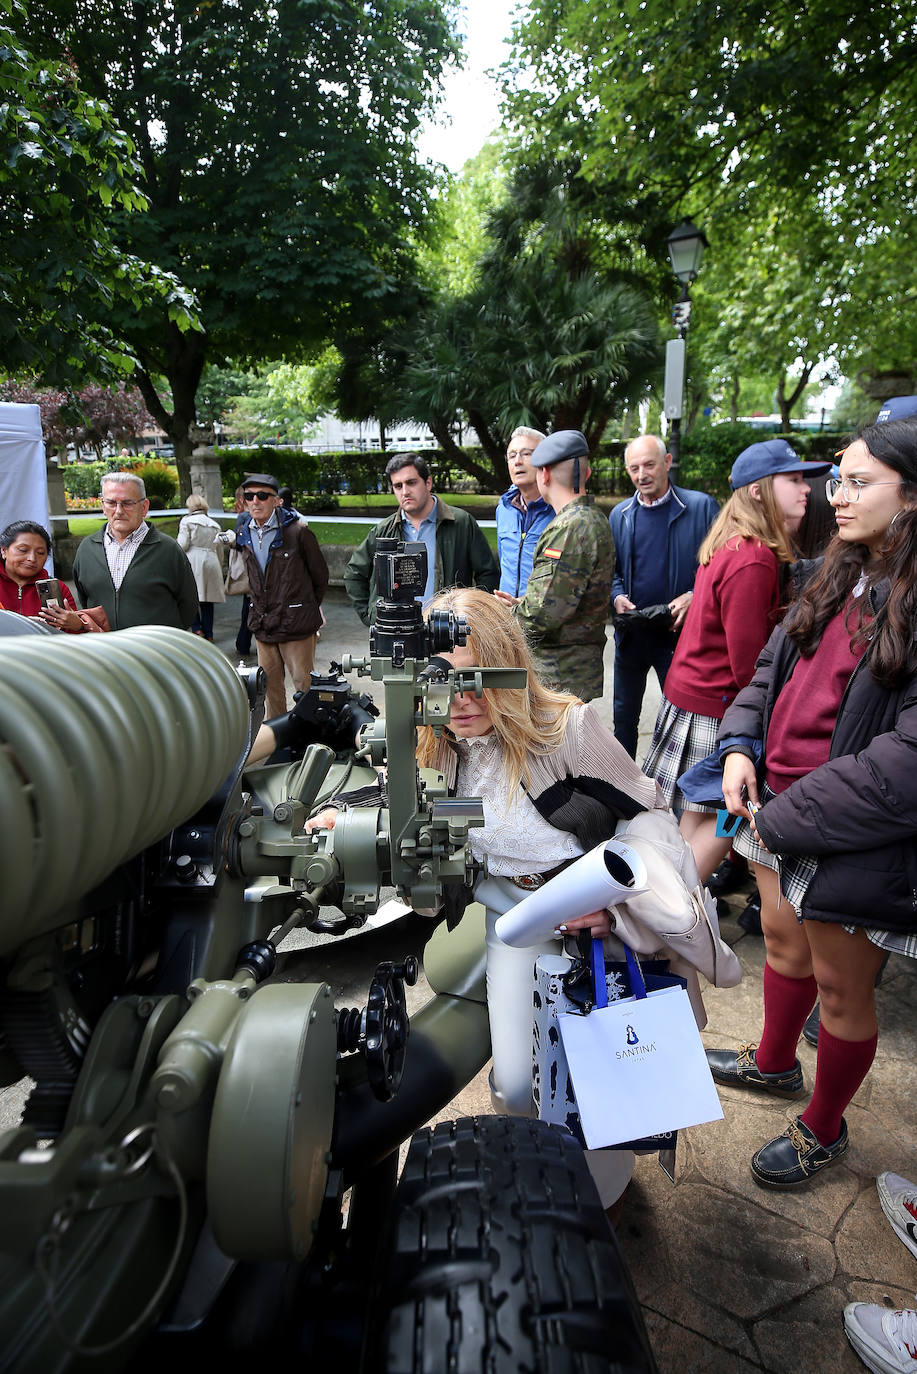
(287, 578)
(565, 606)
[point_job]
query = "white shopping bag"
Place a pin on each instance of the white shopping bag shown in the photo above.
(638, 1068)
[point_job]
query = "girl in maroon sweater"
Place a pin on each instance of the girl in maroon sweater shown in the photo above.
(736, 604)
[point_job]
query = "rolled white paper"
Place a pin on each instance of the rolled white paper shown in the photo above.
(609, 873)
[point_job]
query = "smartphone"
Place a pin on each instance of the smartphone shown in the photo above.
(49, 593)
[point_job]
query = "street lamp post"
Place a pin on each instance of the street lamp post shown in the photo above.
(686, 246)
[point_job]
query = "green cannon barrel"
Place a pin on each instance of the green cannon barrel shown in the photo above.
(107, 742)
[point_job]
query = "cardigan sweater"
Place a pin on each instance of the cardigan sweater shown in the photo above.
(158, 587)
(734, 608)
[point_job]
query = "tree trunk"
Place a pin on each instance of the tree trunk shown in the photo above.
(182, 369)
(485, 476)
(785, 402)
(734, 398)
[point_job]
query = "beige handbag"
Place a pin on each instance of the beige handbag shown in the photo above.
(676, 913)
(236, 574)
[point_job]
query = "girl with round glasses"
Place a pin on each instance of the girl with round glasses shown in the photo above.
(830, 815)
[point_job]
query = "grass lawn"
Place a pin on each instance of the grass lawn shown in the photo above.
(325, 531)
(476, 503)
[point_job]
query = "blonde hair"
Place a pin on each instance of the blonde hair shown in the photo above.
(747, 517)
(529, 720)
(197, 502)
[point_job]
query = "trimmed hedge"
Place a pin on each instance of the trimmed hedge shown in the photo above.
(709, 451)
(363, 472)
(83, 481)
(291, 467)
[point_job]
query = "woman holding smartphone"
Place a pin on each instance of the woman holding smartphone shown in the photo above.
(831, 815)
(24, 550)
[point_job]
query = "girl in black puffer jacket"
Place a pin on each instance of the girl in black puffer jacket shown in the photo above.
(831, 828)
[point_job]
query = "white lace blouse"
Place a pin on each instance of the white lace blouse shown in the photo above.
(515, 836)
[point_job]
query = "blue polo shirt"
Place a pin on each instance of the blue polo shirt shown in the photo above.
(425, 533)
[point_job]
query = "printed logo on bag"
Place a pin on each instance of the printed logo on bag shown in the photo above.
(635, 1050)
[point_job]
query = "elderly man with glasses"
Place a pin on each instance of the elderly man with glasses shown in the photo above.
(287, 580)
(139, 576)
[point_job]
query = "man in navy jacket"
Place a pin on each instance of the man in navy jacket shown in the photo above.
(657, 534)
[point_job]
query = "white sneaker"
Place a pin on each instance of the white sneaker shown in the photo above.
(898, 1197)
(885, 1340)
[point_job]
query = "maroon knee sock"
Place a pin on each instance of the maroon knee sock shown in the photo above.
(787, 1003)
(840, 1069)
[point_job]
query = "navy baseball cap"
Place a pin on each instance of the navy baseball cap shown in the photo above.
(767, 459)
(897, 408)
(563, 443)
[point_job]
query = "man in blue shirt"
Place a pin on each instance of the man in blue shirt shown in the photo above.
(458, 554)
(657, 534)
(522, 513)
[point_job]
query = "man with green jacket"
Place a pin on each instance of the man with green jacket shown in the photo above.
(458, 554)
(139, 576)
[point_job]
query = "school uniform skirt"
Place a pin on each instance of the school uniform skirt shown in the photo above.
(680, 740)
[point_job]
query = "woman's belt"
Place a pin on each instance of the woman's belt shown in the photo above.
(530, 882)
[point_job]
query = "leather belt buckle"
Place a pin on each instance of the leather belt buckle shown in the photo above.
(529, 882)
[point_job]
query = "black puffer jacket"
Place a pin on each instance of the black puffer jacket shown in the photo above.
(858, 812)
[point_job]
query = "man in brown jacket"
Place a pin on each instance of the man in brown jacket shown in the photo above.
(287, 577)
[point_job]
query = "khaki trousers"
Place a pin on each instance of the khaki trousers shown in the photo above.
(297, 655)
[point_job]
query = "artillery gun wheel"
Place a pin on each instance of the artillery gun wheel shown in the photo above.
(503, 1261)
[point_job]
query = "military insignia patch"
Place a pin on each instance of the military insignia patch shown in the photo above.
(553, 553)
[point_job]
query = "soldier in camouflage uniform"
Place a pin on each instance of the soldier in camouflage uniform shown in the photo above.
(565, 606)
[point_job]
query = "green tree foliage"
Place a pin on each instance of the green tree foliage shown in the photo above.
(552, 332)
(277, 404)
(277, 146)
(785, 131)
(66, 167)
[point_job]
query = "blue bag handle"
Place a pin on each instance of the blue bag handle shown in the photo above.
(599, 990)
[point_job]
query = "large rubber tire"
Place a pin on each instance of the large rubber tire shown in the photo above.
(503, 1261)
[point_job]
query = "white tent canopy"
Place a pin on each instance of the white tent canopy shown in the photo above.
(23, 475)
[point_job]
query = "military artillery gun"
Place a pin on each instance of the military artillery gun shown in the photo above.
(196, 1129)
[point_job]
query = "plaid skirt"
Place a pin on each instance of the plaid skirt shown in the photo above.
(680, 740)
(796, 871)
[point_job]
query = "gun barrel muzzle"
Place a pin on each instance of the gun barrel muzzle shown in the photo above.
(107, 742)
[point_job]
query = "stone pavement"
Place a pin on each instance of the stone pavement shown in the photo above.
(733, 1277)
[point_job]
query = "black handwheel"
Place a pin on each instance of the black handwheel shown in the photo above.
(387, 1027)
(503, 1261)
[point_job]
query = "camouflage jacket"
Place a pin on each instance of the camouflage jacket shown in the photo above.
(565, 606)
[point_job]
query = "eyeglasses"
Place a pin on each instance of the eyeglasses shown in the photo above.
(108, 504)
(258, 495)
(850, 487)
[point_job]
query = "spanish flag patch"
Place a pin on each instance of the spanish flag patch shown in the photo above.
(553, 553)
